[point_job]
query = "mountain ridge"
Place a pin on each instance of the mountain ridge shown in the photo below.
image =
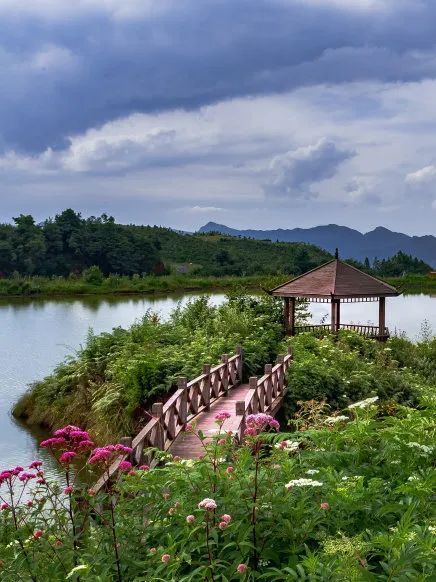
(379, 243)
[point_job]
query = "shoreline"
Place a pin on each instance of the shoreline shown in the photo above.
(45, 288)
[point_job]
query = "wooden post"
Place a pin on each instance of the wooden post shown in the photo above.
(381, 316)
(239, 407)
(183, 412)
(286, 314)
(225, 360)
(292, 315)
(157, 412)
(338, 314)
(206, 389)
(333, 316)
(240, 352)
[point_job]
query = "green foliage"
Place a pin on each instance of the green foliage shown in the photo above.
(348, 501)
(93, 275)
(109, 384)
(347, 367)
(399, 264)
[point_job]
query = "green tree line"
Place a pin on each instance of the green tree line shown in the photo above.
(69, 244)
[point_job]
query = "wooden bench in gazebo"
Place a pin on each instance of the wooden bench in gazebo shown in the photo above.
(336, 282)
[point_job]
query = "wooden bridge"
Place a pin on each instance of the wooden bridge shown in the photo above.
(218, 389)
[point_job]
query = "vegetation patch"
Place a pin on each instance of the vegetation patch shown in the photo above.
(347, 495)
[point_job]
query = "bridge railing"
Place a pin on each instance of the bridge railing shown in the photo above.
(170, 418)
(265, 394)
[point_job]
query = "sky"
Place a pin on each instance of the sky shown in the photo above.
(249, 113)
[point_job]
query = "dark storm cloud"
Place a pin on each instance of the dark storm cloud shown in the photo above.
(61, 75)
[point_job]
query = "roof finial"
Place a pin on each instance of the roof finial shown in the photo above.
(336, 253)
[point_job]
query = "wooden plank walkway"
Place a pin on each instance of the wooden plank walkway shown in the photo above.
(188, 445)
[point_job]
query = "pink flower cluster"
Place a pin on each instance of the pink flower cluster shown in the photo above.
(69, 437)
(220, 417)
(207, 504)
(9, 475)
(224, 521)
(257, 423)
(105, 455)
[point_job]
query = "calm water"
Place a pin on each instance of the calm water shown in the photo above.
(37, 334)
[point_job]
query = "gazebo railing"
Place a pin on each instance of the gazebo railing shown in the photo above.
(371, 331)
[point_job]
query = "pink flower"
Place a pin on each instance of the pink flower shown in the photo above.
(229, 470)
(53, 442)
(17, 469)
(153, 550)
(259, 422)
(26, 476)
(208, 504)
(35, 464)
(222, 416)
(324, 505)
(222, 441)
(165, 558)
(41, 481)
(226, 517)
(223, 524)
(144, 468)
(242, 568)
(190, 518)
(4, 506)
(68, 490)
(125, 466)
(250, 431)
(67, 457)
(29, 503)
(38, 534)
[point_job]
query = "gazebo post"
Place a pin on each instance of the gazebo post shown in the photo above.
(292, 315)
(381, 316)
(289, 315)
(338, 314)
(333, 316)
(286, 313)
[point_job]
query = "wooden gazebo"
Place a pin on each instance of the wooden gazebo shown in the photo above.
(335, 282)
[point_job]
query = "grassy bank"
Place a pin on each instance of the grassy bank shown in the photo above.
(414, 284)
(119, 285)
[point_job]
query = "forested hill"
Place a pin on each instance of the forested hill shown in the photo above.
(70, 244)
(379, 243)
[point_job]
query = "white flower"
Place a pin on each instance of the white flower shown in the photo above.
(312, 471)
(413, 478)
(423, 448)
(289, 446)
(303, 483)
(432, 528)
(335, 419)
(364, 403)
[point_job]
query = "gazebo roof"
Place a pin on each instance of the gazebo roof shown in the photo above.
(335, 279)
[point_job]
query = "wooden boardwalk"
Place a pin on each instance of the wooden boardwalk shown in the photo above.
(217, 389)
(188, 445)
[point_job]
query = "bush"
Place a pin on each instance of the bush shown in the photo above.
(93, 275)
(347, 367)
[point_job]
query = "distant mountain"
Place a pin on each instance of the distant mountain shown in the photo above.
(380, 242)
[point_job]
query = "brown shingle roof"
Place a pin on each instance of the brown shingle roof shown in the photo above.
(335, 279)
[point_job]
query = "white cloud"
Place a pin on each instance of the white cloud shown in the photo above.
(422, 176)
(204, 209)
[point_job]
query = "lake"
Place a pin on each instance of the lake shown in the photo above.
(37, 334)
